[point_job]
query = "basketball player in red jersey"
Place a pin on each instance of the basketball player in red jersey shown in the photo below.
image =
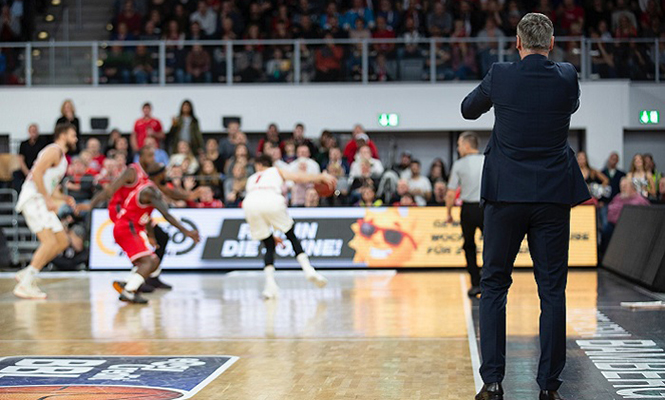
(120, 189)
(133, 226)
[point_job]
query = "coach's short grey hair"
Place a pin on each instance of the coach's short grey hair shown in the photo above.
(536, 31)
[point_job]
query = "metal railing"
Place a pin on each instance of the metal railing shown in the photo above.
(13, 245)
(362, 60)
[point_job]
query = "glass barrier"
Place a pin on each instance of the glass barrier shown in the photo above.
(366, 61)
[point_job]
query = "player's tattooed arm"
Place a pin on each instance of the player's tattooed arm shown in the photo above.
(126, 178)
(301, 177)
(154, 197)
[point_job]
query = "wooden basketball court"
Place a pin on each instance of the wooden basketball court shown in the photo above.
(368, 335)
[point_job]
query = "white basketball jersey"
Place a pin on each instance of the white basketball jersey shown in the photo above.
(52, 178)
(269, 180)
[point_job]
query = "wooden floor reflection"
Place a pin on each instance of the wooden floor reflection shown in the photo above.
(368, 335)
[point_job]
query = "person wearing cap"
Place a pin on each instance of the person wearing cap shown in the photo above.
(359, 139)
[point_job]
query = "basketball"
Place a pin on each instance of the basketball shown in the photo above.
(324, 189)
(86, 392)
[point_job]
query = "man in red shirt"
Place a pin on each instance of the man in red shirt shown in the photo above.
(147, 126)
(382, 32)
(359, 139)
(569, 13)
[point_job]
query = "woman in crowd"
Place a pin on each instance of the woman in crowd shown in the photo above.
(437, 171)
(234, 186)
(185, 127)
(110, 142)
(240, 155)
(650, 168)
(592, 177)
(641, 178)
(68, 115)
(212, 153)
(209, 176)
(184, 158)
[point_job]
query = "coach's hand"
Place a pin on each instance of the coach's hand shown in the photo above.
(194, 235)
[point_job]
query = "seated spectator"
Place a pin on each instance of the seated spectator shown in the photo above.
(234, 186)
(130, 18)
(592, 176)
(437, 171)
(206, 199)
(111, 141)
(391, 16)
(336, 163)
(360, 31)
(122, 33)
(289, 152)
(650, 168)
(10, 25)
(311, 198)
(411, 35)
(176, 180)
(383, 31)
(212, 154)
(184, 158)
(150, 31)
(198, 66)
(404, 165)
(75, 256)
(641, 178)
(488, 52)
(241, 156)
(227, 146)
(272, 135)
(278, 69)
(330, 13)
(79, 181)
(440, 19)
(358, 11)
(328, 61)
(160, 155)
(627, 196)
(27, 155)
(419, 185)
(94, 147)
(359, 138)
(145, 70)
(277, 160)
(439, 194)
(402, 190)
(363, 178)
(326, 142)
(117, 66)
(305, 164)
(365, 155)
(368, 197)
(209, 176)
(111, 169)
(407, 200)
(300, 139)
(185, 127)
(661, 191)
(206, 18)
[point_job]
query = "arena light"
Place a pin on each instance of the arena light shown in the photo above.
(649, 117)
(388, 120)
(49, 18)
(55, 2)
(43, 35)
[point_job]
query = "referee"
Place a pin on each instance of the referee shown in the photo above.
(466, 174)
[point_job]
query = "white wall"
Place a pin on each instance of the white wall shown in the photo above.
(604, 112)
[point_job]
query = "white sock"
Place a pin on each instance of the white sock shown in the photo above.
(30, 274)
(306, 266)
(135, 280)
(269, 270)
(157, 272)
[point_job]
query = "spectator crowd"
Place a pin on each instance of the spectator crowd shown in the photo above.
(408, 20)
(219, 167)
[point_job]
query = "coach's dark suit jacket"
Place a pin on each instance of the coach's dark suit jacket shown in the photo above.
(524, 164)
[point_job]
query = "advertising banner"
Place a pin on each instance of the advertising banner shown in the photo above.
(354, 237)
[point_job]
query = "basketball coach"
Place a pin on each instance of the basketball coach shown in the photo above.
(530, 182)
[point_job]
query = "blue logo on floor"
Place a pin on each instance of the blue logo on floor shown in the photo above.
(108, 377)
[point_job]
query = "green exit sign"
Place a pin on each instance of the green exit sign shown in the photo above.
(649, 117)
(388, 119)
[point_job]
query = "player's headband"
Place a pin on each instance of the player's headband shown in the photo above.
(157, 171)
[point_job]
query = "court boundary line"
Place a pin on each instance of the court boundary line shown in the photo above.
(241, 339)
(471, 334)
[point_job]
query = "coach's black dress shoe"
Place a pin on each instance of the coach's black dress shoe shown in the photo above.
(550, 395)
(490, 391)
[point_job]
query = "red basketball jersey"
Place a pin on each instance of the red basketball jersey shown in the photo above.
(119, 197)
(134, 213)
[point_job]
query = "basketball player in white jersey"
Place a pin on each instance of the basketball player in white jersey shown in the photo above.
(265, 211)
(37, 203)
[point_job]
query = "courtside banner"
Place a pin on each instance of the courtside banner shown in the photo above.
(351, 237)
